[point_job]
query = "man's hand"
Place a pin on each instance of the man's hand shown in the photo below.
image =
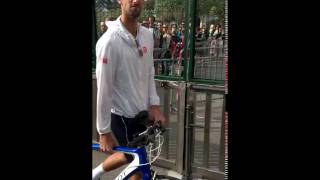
(106, 142)
(155, 114)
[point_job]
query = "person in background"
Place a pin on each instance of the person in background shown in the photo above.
(103, 28)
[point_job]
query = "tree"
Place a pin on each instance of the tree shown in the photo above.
(211, 8)
(106, 4)
(169, 10)
(148, 9)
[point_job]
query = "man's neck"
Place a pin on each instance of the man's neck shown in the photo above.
(130, 24)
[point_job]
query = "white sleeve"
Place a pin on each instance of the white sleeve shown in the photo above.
(153, 96)
(105, 75)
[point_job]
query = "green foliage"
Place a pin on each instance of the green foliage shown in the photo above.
(169, 10)
(148, 10)
(211, 8)
(164, 10)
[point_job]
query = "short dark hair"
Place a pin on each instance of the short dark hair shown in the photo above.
(153, 18)
(110, 19)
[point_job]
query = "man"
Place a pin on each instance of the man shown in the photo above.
(125, 84)
(103, 28)
(155, 31)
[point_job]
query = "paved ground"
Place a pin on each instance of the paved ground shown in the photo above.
(98, 157)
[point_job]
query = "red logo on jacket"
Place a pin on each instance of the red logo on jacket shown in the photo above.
(105, 61)
(144, 50)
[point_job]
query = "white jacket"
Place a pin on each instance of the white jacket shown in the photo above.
(125, 80)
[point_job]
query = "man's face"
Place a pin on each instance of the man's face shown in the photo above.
(145, 23)
(173, 29)
(165, 28)
(132, 8)
(151, 21)
(103, 27)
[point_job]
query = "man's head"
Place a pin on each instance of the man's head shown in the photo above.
(103, 26)
(145, 24)
(131, 8)
(159, 26)
(173, 29)
(165, 28)
(151, 20)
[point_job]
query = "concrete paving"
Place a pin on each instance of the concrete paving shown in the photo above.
(98, 157)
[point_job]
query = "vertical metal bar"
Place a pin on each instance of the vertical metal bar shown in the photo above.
(222, 68)
(211, 66)
(206, 142)
(216, 68)
(180, 127)
(192, 38)
(192, 120)
(186, 42)
(166, 111)
(189, 142)
(222, 138)
(189, 118)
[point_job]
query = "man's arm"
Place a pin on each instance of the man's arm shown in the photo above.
(104, 73)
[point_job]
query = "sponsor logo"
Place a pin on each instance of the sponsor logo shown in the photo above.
(105, 61)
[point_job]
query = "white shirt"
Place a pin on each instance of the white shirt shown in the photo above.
(125, 80)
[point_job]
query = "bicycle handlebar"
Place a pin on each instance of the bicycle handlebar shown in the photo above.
(147, 136)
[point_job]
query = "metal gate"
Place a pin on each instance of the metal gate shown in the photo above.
(205, 132)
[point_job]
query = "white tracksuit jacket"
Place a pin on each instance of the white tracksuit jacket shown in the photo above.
(125, 80)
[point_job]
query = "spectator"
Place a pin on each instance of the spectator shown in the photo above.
(155, 31)
(103, 29)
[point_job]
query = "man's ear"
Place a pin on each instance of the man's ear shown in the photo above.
(119, 1)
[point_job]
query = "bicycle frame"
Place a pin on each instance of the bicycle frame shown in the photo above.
(140, 157)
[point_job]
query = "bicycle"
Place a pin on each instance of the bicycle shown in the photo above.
(138, 149)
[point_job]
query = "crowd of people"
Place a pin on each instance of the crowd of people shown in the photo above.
(169, 40)
(169, 36)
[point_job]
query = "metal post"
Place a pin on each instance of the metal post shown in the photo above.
(186, 43)
(166, 111)
(180, 127)
(189, 118)
(189, 142)
(206, 142)
(222, 138)
(193, 8)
